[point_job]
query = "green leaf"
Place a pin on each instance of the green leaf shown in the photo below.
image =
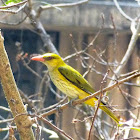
(10, 2)
(135, 128)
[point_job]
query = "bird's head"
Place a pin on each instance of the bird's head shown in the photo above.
(51, 60)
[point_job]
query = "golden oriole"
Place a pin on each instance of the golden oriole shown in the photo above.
(70, 81)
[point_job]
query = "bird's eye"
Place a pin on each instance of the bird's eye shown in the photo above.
(49, 58)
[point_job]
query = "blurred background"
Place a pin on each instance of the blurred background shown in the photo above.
(71, 29)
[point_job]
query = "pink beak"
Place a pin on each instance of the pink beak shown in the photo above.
(38, 58)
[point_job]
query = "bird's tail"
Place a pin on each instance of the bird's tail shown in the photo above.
(110, 113)
(107, 110)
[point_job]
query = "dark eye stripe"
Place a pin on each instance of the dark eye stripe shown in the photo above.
(49, 58)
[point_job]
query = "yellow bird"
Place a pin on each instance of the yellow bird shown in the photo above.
(70, 81)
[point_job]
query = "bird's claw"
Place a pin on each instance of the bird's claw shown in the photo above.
(70, 101)
(59, 108)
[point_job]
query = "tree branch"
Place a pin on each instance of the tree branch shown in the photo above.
(137, 74)
(13, 5)
(40, 29)
(121, 11)
(12, 95)
(128, 53)
(63, 5)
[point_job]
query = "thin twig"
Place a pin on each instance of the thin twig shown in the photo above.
(14, 24)
(6, 120)
(99, 101)
(58, 130)
(41, 8)
(121, 11)
(36, 23)
(119, 82)
(30, 69)
(13, 11)
(5, 109)
(41, 118)
(52, 106)
(128, 53)
(13, 5)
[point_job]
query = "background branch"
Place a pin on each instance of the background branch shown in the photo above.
(128, 53)
(74, 103)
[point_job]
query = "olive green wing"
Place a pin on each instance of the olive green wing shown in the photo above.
(76, 78)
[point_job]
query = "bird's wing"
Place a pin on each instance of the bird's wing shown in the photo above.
(76, 78)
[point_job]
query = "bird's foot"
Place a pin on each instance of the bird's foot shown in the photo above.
(59, 109)
(70, 101)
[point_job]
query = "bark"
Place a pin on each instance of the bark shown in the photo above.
(23, 122)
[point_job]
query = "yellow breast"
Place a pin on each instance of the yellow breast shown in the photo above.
(64, 85)
(68, 88)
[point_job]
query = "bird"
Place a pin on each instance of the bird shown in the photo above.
(71, 82)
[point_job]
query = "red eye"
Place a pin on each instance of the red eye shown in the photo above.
(49, 58)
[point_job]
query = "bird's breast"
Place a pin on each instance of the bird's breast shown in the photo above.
(64, 85)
